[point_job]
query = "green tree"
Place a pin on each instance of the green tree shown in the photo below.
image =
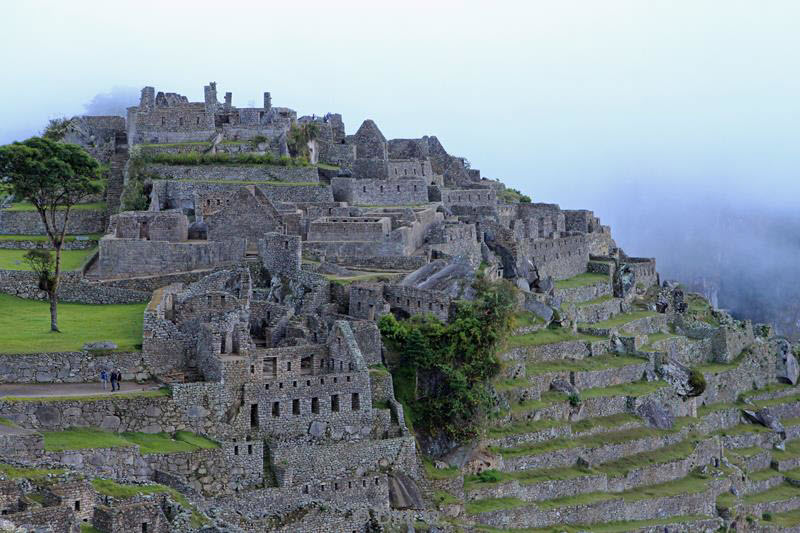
(53, 177)
(300, 136)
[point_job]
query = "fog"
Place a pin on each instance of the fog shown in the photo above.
(676, 121)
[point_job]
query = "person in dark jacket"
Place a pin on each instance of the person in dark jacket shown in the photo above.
(114, 385)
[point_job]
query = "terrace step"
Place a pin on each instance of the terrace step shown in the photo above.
(693, 495)
(598, 309)
(778, 499)
(636, 322)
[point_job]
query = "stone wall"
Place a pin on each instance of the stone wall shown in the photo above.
(72, 288)
(76, 244)
(560, 258)
(121, 257)
(392, 191)
(364, 228)
(469, 197)
(80, 222)
(181, 194)
(305, 174)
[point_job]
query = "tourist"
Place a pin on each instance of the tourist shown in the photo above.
(119, 379)
(104, 378)
(113, 381)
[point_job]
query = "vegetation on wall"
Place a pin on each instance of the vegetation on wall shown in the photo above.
(443, 370)
(514, 196)
(224, 158)
(299, 137)
(57, 128)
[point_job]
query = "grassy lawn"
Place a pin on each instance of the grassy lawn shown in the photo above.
(549, 336)
(87, 438)
(162, 392)
(525, 319)
(620, 320)
(45, 238)
(582, 280)
(25, 206)
(26, 326)
(113, 489)
(598, 362)
(70, 259)
(431, 472)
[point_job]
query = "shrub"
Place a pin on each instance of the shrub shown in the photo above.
(574, 400)
(767, 516)
(489, 476)
(697, 381)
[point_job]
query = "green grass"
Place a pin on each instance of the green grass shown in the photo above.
(704, 410)
(526, 319)
(431, 472)
(13, 472)
(620, 320)
(442, 497)
(326, 166)
(784, 491)
(538, 475)
(107, 487)
(178, 145)
(761, 475)
(88, 438)
(607, 527)
(372, 276)
(563, 443)
(45, 238)
(635, 389)
(546, 400)
(726, 500)
(622, 466)
(493, 504)
(598, 362)
(521, 428)
(605, 422)
(70, 259)
(653, 338)
(549, 336)
(599, 300)
(26, 206)
(222, 158)
(88, 528)
(582, 280)
(792, 450)
(26, 326)
(777, 401)
(162, 392)
(786, 520)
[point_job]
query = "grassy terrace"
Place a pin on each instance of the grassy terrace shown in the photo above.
(635, 389)
(784, 491)
(607, 527)
(87, 438)
(255, 182)
(549, 336)
(222, 158)
(583, 426)
(25, 206)
(590, 441)
(25, 326)
(113, 489)
(525, 319)
(654, 338)
(582, 280)
(599, 300)
(45, 238)
(70, 259)
(599, 362)
(14, 472)
(742, 429)
(620, 320)
(369, 276)
(546, 400)
(792, 450)
(688, 485)
(777, 401)
(772, 388)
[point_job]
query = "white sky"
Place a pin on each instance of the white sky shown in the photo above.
(566, 100)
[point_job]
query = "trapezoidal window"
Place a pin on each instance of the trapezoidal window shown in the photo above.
(335, 403)
(276, 409)
(254, 415)
(315, 405)
(295, 407)
(355, 402)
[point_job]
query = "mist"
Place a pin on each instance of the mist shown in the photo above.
(676, 122)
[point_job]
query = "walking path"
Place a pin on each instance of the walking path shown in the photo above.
(39, 390)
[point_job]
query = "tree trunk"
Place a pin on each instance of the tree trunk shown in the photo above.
(53, 311)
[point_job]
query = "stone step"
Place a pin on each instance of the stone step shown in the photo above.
(598, 309)
(583, 288)
(511, 435)
(762, 480)
(778, 499)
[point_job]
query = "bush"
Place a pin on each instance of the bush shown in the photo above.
(574, 400)
(697, 381)
(444, 369)
(767, 516)
(489, 476)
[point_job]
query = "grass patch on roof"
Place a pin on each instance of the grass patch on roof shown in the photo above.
(25, 326)
(14, 259)
(107, 487)
(549, 336)
(582, 280)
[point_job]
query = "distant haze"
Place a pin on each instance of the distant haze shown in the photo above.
(676, 121)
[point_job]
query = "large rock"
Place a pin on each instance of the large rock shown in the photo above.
(676, 375)
(788, 369)
(766, 418)
(48, 416)
(403, 492)
(316, 429)
(562, 385)
(656, 415)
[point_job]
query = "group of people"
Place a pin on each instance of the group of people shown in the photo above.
(115, 377)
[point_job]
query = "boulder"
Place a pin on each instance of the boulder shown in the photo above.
(788, 369)
(656, 415)
(403, 492)
(522, 284)
(676, 375)
(316, 429)
(766, 418)
(562, 385)
(48, 416)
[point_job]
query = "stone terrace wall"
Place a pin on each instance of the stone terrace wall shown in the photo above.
(181, 194)
(72, 288)
(393, 191)
(83, 367)
(307, 174)
(307, 464)
(81, 221)
(31, 245)
(561, 258)
(120, 257)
